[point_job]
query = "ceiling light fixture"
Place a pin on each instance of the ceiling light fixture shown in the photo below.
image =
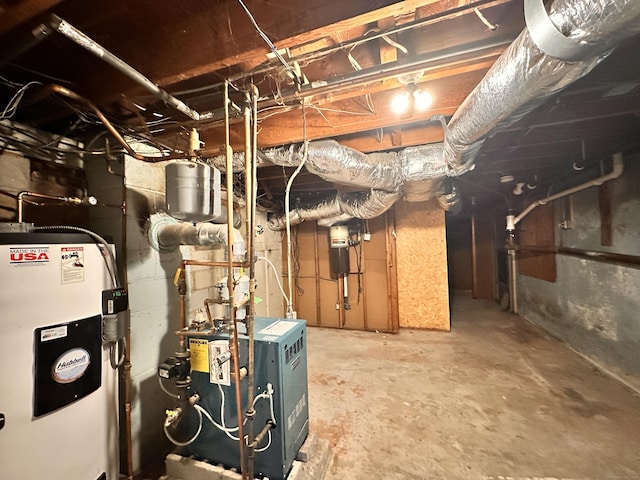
(410, 99)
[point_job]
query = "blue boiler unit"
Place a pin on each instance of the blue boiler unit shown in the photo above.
(280, 385)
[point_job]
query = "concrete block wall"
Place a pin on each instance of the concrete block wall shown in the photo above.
(594, 306)
(269, 245)
(154, 310)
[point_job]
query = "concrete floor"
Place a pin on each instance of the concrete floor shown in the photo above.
(496, 398)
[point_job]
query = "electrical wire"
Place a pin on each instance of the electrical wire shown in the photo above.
(483, 19)
(228, 431)
(164, 389)
(287, 206)
(273, 48)
(123, 353)
(192, 439)
(12, 106)
(275, 274)
(102, 243)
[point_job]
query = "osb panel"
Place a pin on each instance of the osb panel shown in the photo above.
(423, 290)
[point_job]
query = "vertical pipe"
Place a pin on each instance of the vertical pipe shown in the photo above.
(317, 273)
(513, 271)
(182, 292)
(249, 179)
(474, 258)
(341, 317)
(235, 347)
(127, 353)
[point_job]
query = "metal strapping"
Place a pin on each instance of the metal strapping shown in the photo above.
(552, 41)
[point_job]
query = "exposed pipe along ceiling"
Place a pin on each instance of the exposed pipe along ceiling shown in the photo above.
(555, 50)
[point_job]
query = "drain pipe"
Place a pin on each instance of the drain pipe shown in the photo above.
(616, 171)
(513, 220)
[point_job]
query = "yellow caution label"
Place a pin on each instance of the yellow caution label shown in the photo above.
(199, 354)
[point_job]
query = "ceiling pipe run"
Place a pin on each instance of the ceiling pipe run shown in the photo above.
(65, 28)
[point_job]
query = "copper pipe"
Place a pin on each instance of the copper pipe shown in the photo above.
(108, 125)
(230, 282)
(249, 189)
(204, 263)
(207, 301)
(21, 200)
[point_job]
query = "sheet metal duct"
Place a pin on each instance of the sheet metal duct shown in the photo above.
(166, 234)
(524, 76)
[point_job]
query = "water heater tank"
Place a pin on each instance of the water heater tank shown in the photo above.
(192, 191)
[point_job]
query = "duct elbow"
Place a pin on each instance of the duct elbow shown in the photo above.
(166, 234)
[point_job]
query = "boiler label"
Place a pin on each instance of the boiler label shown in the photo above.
(72, 264)
(71, 365)
(23, 256)
(199, 348)
(53, 333)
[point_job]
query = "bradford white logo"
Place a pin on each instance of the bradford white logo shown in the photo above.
(24, 256)
(71, 365)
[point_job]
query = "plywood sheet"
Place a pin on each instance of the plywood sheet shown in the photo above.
(423, 287)
(537, 231)
(485, 257)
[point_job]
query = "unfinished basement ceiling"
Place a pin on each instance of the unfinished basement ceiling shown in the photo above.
(348, 73)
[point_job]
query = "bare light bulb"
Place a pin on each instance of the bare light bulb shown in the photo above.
(422, 100)
(400, 102)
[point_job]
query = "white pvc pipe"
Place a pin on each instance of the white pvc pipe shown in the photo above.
(618, 168)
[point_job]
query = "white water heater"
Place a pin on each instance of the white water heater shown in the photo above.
(58, 392)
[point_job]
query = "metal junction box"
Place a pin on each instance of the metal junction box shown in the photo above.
(280, 360)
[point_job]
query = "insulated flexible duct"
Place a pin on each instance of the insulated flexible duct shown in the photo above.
(524, 76)
(414, 173)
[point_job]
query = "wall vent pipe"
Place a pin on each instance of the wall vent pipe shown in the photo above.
(165, 234)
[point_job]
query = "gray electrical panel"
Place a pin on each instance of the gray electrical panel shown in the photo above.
(280, 361)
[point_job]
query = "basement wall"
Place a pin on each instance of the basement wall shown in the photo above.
(594, 306)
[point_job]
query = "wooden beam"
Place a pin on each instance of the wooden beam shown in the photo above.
(13, 14)
(411, 135)
(287, 127)
(349, 116)
(304, 23)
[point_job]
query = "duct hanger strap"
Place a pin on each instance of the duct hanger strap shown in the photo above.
(552, 41)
